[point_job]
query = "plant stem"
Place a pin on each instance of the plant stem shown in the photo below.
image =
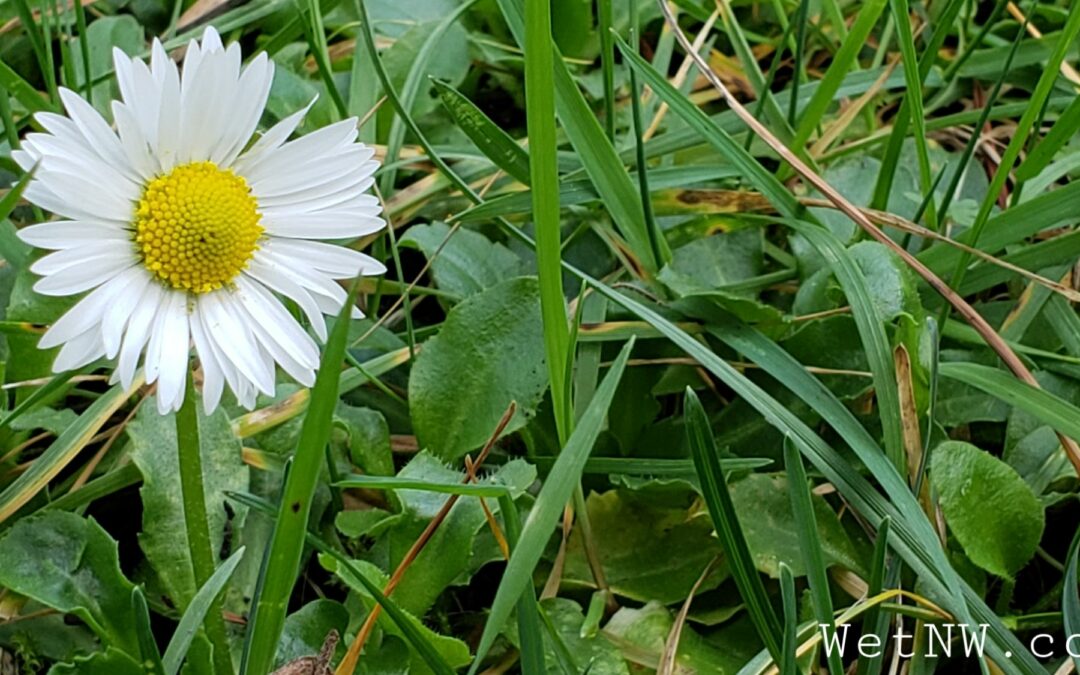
(197, 523)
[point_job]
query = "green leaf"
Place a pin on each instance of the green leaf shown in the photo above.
(112, 661)
(467, 263)
(70, 564)
(1031, 446)
(449, 556)
(193, 616)
(719, 498)
(495, 143)
(164, 537)
(368, 439)
(716, 262)
(772, 533)
(564, 475)
(659, 558)
(993, 514)
(488, 353)
(453, 651)
(646, 630)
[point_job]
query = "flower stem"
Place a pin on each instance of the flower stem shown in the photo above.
(197, 523)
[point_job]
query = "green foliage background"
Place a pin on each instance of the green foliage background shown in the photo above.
(736, 414)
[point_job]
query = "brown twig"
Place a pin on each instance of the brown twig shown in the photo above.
(989, 335)
(671, 645)
(352, 656)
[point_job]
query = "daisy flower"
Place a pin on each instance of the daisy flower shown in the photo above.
(184, 231)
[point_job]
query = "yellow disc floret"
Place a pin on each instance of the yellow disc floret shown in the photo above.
(197, 226)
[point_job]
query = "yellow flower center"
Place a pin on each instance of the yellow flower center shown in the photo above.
(197, 226)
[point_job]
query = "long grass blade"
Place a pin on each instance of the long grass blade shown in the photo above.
(598, 156)
(195, 613)
(1041, 404)
(287, 541)
(544, 173)
(810, 545)
(1070, 601)
(495, 143)
(715, 491)
(545, 513)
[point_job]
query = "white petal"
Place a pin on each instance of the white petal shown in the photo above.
(78, 352)
(89, 312)
(314, 145)
(168, 129)
(97, 132)
(97, 256)
(271, 140)
(73, 280)
(61, 234)
(235, 341)
(322, 225)
(213, 374)
(337, 261)
(211, 40)
(76, 199)
(347, 167)
(172, 354)
(268, 312)
(136, 144)
(253, 90)
(138, 331)
(119, 313)
(267, 271)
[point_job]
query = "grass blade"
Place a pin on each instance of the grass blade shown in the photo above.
(810, 545)
(1070, 601)
(545, 513)
(544, 174)
(1064, 129)
(1039, 403)
(195, 613)
(838, 70)
(151, 657)
(1016, 144)
(287, 541)
(64, 449)
(732, 151)
(491, 140)
(607, 64)
(423, 647)
(715, 491)
(788, 662)
(913, 80)
(875, 620)
(598, 156)
(528, 610)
